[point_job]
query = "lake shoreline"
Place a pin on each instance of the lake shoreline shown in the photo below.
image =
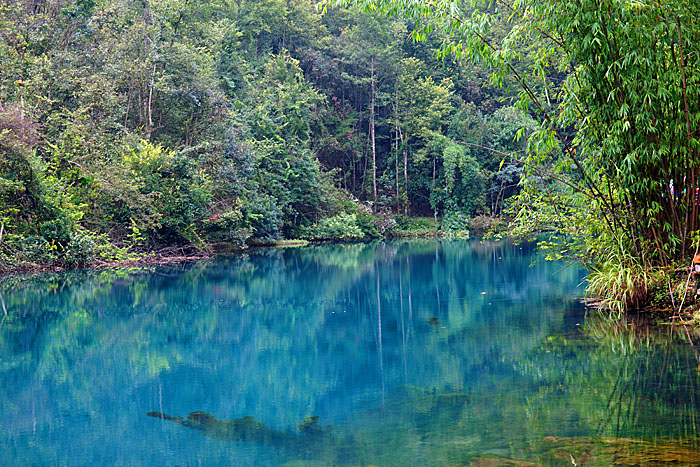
(189, 253)
(153, 258)
(410, 227)
(662, 312)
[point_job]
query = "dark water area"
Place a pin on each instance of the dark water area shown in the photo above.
(420, 352)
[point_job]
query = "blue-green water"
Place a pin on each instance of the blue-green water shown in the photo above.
(425, 352)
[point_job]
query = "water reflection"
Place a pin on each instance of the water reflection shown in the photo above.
(413, 352)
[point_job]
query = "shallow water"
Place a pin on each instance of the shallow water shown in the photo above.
(423, 352)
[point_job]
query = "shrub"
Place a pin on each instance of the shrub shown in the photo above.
(177, 191)
(384, 221)
(81, 249)
(484, 224)
(228, 227)
(367, 223)
(57, 230)
(407, 226)
(264, 216)
(35, 249)
(621, 283)
(342, 226)
(455, 223)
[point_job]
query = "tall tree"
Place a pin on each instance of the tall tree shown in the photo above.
(617, 105)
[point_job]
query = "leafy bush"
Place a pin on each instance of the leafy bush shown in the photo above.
(367, 223)
(35, 249)
(484, 224)
(57, 230)
(407, 226)
(228, 226)
(342, 226)
(455, 223)
(81, 249)
(264, 216)
(177, 190)
(385, 222)
(365, 219)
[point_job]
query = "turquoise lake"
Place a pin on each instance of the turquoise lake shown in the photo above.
(416, 352)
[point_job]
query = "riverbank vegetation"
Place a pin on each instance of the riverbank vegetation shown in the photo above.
(613, 166)
(167, 126)
(131, 127)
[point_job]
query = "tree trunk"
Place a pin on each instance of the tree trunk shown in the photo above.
(371, 131)
(149, 109)
(21, 113)
(405, 174)
(435, 212)
(128, 108)
(396, 142)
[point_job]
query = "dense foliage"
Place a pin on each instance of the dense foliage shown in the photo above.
(129, 126)
(613, 166)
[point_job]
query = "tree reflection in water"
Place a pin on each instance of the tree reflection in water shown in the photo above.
(430, 352)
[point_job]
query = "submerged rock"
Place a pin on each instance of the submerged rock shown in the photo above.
(622, 451)
(312, 437)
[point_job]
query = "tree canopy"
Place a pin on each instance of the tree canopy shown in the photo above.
(130, 126)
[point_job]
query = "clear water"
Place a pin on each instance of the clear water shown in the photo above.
(424, 352)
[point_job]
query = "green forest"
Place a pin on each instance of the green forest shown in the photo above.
(136, 126)
(141, 125)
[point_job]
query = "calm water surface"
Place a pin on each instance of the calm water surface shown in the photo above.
(425, 352)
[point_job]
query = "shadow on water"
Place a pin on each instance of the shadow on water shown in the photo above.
(427, 352)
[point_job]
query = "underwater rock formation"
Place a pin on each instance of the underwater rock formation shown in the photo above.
(311, 438)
